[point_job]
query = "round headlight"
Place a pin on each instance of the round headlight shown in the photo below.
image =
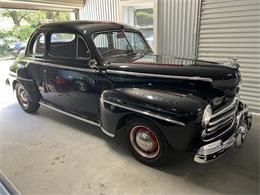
(206, 116)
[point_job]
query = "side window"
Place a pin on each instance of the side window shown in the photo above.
(38, 47)
(63, 45)
(68, 45)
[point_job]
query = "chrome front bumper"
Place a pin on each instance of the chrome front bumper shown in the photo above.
(215, 149)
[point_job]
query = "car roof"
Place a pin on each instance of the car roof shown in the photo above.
(88, 27)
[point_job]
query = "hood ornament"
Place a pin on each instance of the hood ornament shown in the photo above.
(235, 62)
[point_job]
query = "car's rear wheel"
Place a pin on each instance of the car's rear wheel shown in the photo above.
(146, 142)
(23, 99)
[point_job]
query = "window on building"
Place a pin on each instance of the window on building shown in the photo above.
(141, 16)
(143, 20)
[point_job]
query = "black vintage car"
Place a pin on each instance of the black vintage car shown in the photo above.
(107, 75)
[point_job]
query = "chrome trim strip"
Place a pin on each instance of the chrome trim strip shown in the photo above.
(229, 107)
(217, 126)
(87, 69)
(69, 67)
(223, 118)
(79, 118)
(71, 115)
(23, 79)
(120, 72)
(241, 113)
(222, 133)
(159, 75)
(144, 112)
(12, 74)
(106, 132)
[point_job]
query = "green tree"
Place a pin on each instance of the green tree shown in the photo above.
(25, 21)
(17, 16)
(34, 17)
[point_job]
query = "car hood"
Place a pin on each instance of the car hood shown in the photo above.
(224, 77)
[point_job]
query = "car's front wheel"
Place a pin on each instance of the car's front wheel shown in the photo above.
(146, 142)
(23, 99)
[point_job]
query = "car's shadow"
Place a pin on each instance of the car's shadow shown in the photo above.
(235, 172)
(229, 174)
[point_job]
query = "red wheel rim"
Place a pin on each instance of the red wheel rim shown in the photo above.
(144, 141)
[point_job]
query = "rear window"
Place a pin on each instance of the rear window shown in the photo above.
(62, 37)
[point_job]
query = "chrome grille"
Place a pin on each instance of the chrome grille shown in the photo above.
(221, 121)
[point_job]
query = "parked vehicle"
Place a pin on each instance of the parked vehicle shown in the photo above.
(17, 48)
(106, 74)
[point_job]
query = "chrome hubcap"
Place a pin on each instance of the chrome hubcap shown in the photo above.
(144, 141)
(23, 97)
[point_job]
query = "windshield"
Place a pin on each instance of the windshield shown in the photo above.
(118, 43)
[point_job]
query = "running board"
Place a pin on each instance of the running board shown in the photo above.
(78, 117)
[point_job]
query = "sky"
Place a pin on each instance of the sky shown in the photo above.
(6, 23)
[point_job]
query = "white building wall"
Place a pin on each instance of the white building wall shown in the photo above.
(105, 10)
(177, 23)
(232, 29)
(177, 27)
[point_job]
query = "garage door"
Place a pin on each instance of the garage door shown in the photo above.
(232, 29)
(65, 5)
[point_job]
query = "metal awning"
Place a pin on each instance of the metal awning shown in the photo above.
(62, 5)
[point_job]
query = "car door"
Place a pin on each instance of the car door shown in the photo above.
(70, 80)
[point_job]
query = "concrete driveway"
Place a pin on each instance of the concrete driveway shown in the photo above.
(49, 153)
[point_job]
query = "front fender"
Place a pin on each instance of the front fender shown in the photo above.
(176, 114)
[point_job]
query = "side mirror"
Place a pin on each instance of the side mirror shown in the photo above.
(93, 63)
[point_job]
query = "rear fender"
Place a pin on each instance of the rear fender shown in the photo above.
(27, 81)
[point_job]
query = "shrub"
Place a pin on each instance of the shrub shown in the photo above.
(21, 33)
